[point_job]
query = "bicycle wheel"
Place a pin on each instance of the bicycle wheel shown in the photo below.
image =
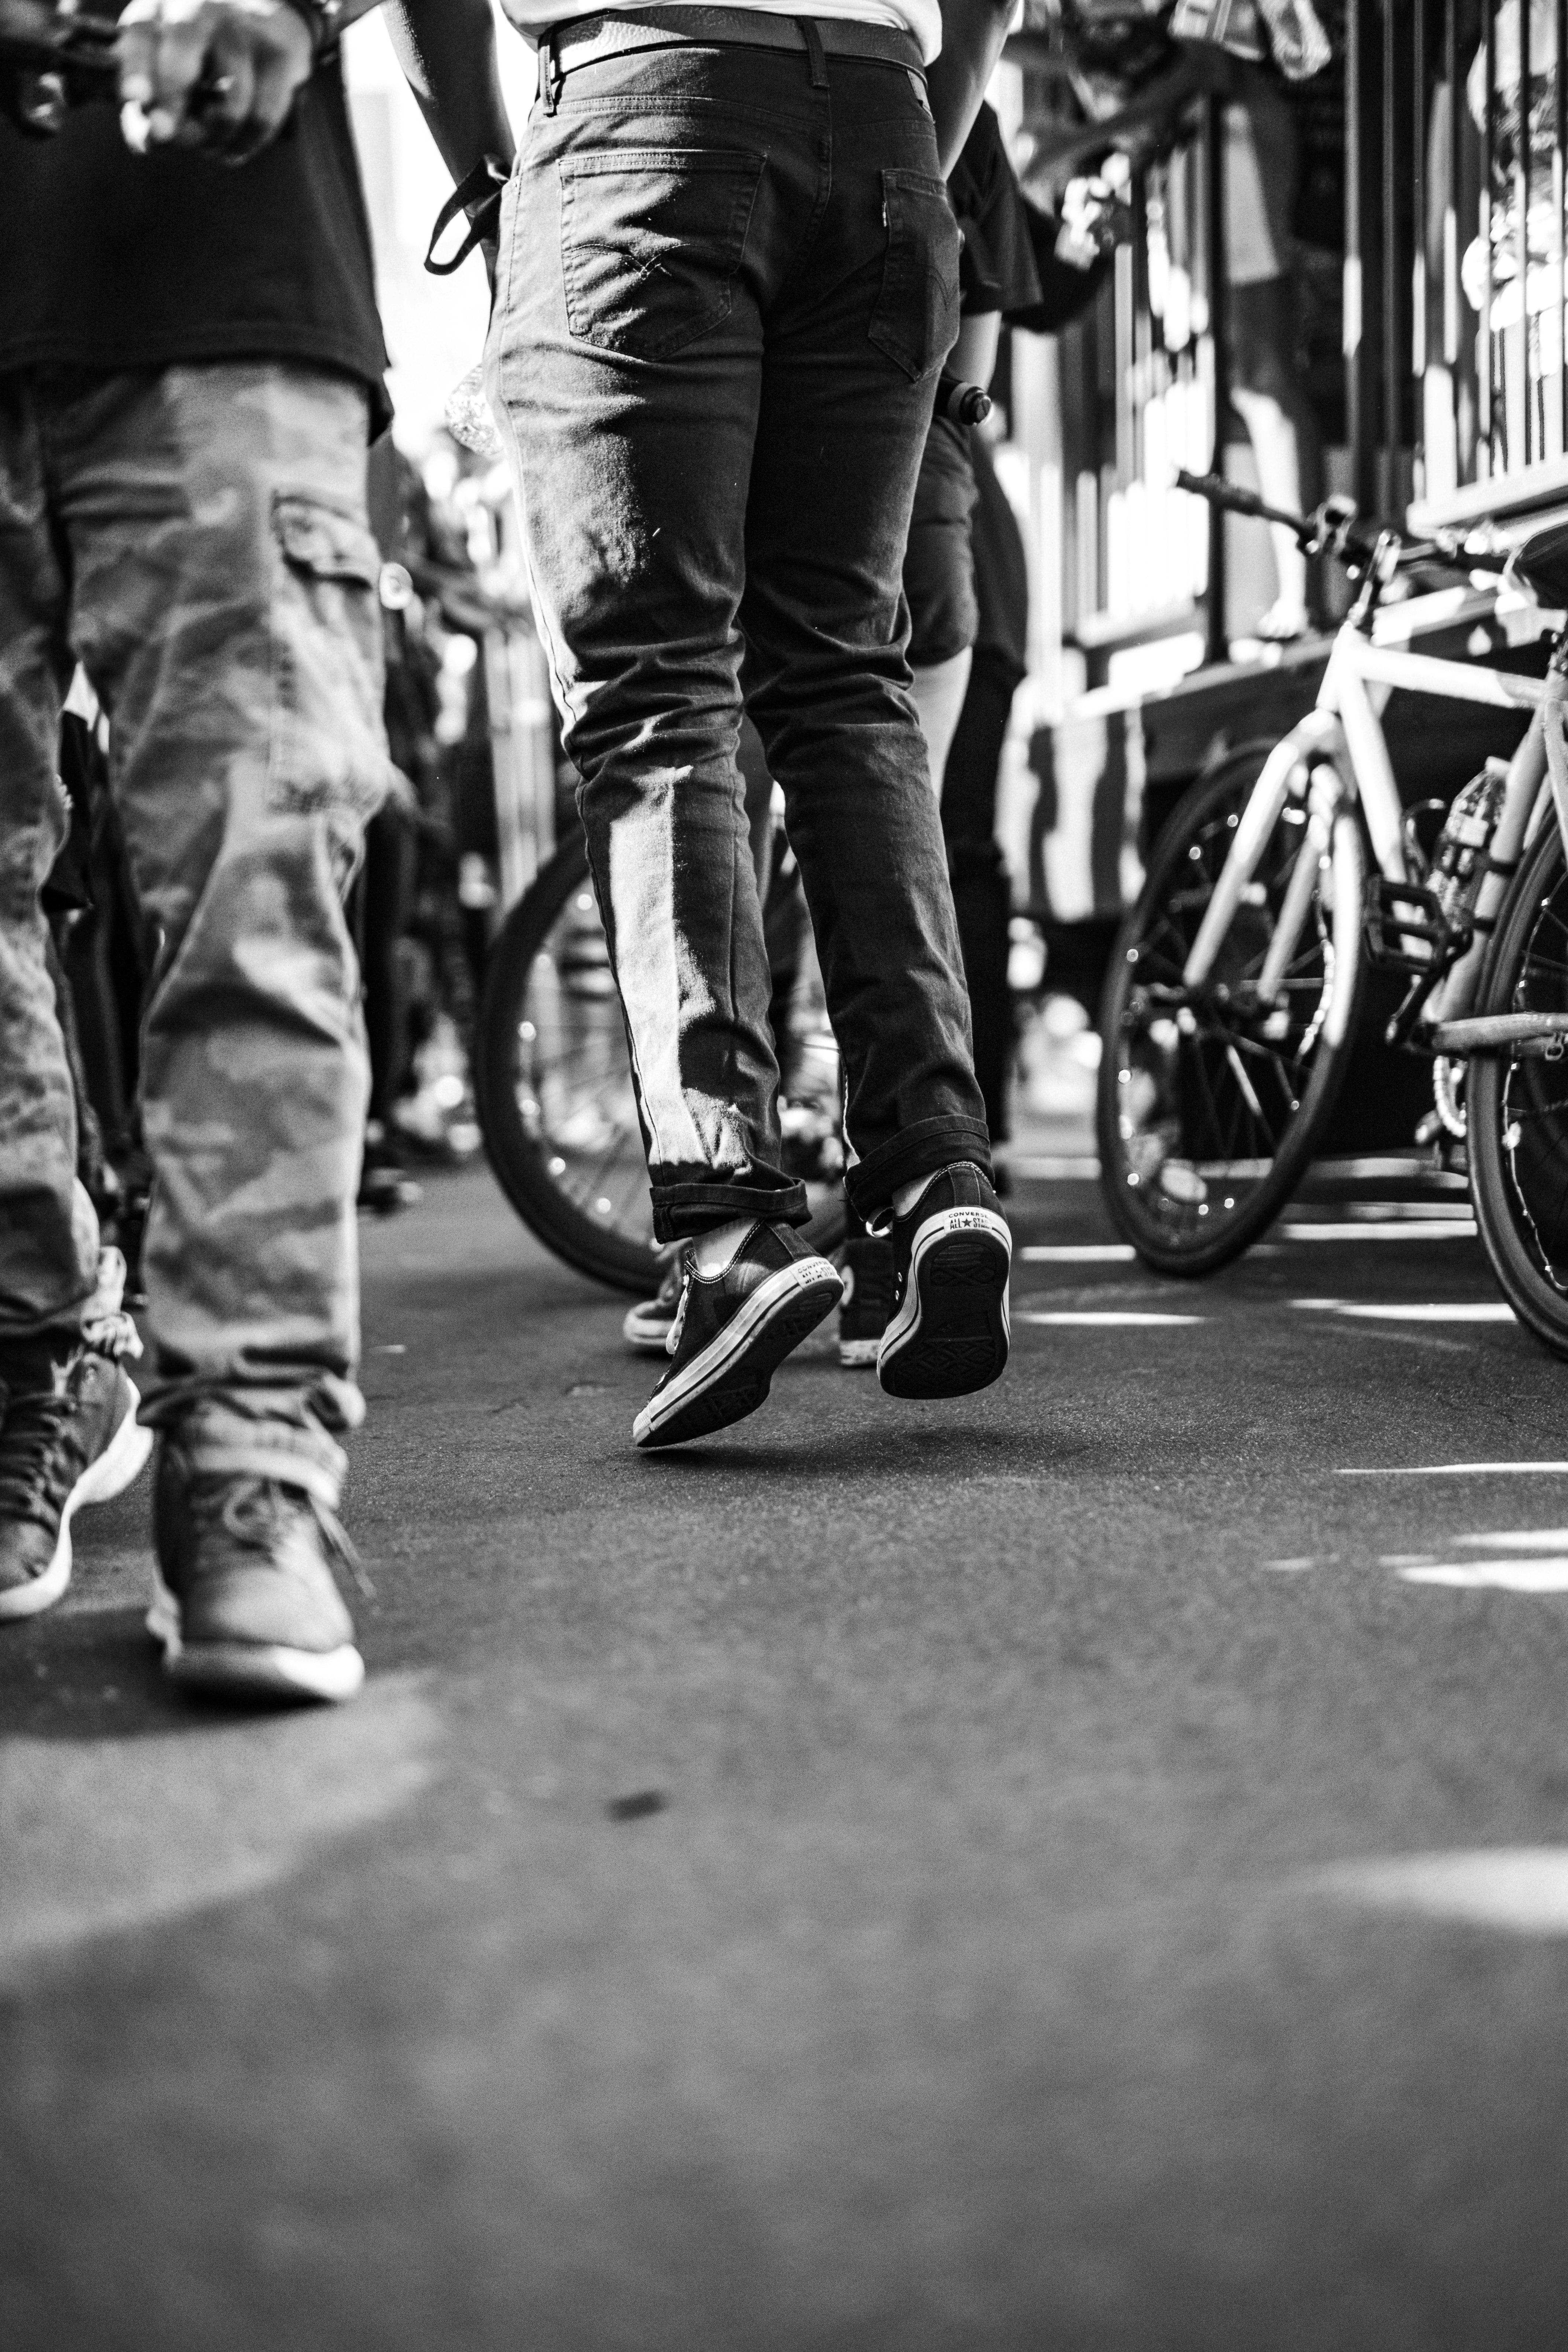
(1209, 1102)
(1517, 1102)
(552, 1077)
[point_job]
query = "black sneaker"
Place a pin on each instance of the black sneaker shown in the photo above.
(733, 1330)
(952, 1253)
(649, 1323)
(69, 1436)
(868, 1307)
(245, 1602)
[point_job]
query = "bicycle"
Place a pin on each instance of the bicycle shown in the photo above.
(1236, 981)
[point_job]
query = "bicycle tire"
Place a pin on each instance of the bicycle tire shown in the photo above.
(1517, 1106)
(1176, 1063)
(553, 942)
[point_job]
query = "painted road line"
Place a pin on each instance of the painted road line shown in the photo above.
(1426, 1229)
(1419, 1311)
(1542, 1573)
(1054, 1167)
(1522, 1889)
(1109, 1319)
(1078, 1254)
(1457, 1470)
(1294, 1567)
(1520, 1540)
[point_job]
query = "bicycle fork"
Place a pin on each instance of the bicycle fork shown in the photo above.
(1318, 734)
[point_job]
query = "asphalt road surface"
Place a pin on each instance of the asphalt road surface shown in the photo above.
(1082, 1866)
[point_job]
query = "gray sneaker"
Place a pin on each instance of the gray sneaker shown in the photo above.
(246, 1604)
(68, 1436)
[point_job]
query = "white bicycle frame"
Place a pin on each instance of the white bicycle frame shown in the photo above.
(1337, 756)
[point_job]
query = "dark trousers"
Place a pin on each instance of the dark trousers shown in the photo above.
(727, 280)
(982, 892)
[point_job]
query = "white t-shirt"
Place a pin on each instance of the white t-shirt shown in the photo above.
(921, 18)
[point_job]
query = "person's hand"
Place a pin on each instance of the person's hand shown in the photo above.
(1093, 214)
(210, 73)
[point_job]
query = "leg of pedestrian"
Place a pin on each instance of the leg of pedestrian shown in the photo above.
(631, 397)
(69, 1434)
(852, 353)
(225, 605)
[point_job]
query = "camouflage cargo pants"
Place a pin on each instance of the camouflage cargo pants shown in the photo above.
(196, 537)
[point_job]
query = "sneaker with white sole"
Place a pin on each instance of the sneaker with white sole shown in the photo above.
(68, 1436)
(952, 1253)
(649, 1323)
(731, 1332)
(245, 1602)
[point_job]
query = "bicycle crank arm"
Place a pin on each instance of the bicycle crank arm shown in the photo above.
(1489, 1033)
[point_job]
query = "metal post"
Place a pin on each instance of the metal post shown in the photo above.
(1217, 641)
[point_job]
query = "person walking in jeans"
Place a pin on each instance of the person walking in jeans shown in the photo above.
(726, 280)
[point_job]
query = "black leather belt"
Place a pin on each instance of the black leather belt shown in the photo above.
(583, 40)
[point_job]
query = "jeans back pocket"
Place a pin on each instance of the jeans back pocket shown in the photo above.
(916, 318)
(651, 242)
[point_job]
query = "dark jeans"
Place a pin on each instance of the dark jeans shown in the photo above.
(727, 285)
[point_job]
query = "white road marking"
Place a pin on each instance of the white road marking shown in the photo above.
(1541, 1573)
(1521, 1540)
(1312, 1559)
(1455, 1470)
(1428, 1228)
(1419, 1311)
(1521, 1889)
(1107, 1320)
(1078, 1254)
(1054, 1167)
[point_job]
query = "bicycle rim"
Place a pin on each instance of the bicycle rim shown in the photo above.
(1209, 1102)
(556, 1102)
(1518, 1105)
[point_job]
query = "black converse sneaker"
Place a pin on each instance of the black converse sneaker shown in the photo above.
(868, 1307)
(733, 1330)
(649, 1324)
(952, 1253)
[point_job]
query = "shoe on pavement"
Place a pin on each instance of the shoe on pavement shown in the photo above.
(733, 1330)
(649, 1323)
(868, 1307)
(68, 1436)
(951, 1255)
(245, 1602)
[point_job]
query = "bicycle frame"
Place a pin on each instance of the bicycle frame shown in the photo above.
(1338, 755)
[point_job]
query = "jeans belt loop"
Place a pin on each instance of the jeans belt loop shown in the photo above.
(814, 51)
(549, 72)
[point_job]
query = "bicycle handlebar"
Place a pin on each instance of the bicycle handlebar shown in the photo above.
(1336, 528)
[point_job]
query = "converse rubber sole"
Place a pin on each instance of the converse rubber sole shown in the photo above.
(734, 1372)
(119, 1465)
(950, 1334)
(250, 1669)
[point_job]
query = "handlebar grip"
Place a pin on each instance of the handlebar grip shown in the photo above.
(1221, 493)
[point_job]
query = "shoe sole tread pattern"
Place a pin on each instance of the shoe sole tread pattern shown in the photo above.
(118, 1465)
(780, 1314)
(950, 1335)
(245, 1670)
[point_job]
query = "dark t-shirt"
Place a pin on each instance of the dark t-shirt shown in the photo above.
(999, 274)
(113, 260)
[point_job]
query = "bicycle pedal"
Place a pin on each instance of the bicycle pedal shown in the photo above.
(1407, 930)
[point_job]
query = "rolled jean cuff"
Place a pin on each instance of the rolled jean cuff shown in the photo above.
(682, 1210)
(218, 1440)
(918, 1150)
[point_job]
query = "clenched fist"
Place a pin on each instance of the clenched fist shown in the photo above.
(210, 73)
